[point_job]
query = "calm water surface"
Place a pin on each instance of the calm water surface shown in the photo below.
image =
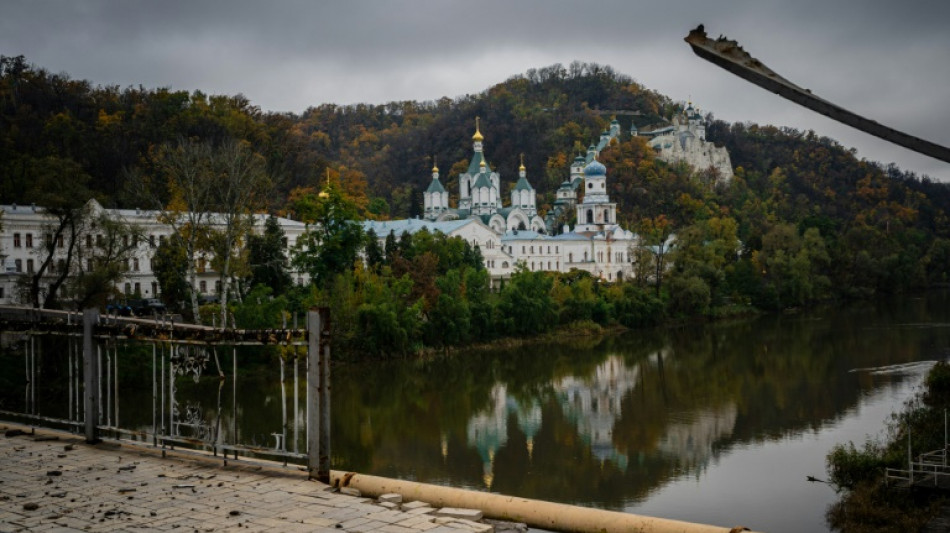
(717, 423)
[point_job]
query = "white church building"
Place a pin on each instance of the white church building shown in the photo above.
(516, 234)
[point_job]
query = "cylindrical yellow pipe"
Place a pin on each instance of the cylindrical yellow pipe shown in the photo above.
(537, 513)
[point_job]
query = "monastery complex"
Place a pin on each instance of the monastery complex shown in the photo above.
(507, 234)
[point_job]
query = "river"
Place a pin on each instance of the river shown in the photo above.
(715, 423)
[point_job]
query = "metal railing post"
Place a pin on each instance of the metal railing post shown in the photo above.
(318, 394)
(90, 358)
(323, 471)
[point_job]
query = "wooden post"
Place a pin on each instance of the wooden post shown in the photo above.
(90, 359)
(318, 396)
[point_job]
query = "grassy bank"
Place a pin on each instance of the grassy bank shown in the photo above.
(867, 504)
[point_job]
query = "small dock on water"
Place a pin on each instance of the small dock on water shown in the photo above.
(929, 471)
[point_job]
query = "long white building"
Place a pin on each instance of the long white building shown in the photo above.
(25, 229)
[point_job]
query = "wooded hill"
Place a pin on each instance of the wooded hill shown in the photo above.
(882, 228)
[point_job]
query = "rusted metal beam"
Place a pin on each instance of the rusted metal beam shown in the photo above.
(41, 321)
(730, 56)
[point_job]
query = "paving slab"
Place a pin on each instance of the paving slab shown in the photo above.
(64, 484)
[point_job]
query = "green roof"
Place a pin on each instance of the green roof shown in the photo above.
(475, 166)
(435, 186)
(523, 185)
(482, 181)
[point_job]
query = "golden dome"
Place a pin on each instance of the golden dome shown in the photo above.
(478, 134)
(521, 168)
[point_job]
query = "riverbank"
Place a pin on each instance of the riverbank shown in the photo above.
(868, 502)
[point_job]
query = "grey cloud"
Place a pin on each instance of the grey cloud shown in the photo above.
(881, 58)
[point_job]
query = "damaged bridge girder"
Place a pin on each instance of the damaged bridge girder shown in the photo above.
(729, 55)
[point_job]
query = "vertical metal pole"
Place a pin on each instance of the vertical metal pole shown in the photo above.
(323, 472)
(26, 375)
(91, 374)
(162, 393)
(296, 402)
(115, 383)
(99, 381)
(283, 408)
(313, 398)
(910, 458)
(171, 393)
(69, 373)
(154, 399)
(33, 408)
(76, 358)
(234, 431)
(108, 386)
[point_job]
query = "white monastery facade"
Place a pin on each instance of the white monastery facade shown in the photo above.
(516, 234)
(26, 229)
(685, 140)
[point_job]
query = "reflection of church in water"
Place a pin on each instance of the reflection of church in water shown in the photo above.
(593, 405)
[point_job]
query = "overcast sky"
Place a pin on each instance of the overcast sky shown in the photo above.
(885, 59)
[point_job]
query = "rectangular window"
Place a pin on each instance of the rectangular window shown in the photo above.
(1, 292)
(202, 287)
(88, 241)
(61, 264)
(135, 265)
(151, 241)
(99, 240)
(89, 265)
(138, 288)
(161, 239)
(16, 240)
(29, 266)
(18, 264)
(59, 241)
(29, 240)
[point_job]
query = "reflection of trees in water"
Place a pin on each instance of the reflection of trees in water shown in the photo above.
(615, 419)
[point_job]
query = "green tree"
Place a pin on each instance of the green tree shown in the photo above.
(170, 266)
(374, 252)
(525, 306)
(267, 255)
(333, 239)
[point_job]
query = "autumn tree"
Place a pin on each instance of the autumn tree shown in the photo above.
(239, 181)
(180, 185)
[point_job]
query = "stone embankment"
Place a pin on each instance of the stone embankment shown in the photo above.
(53, 481)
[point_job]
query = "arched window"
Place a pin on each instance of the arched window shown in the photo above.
(590, 216)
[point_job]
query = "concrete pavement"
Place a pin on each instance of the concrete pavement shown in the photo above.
(53, 481)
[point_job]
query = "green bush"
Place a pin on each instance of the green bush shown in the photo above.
(849, 466)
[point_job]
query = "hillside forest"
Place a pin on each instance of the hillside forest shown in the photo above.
(803, 220)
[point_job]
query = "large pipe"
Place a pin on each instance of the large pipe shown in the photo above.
(535, 513)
